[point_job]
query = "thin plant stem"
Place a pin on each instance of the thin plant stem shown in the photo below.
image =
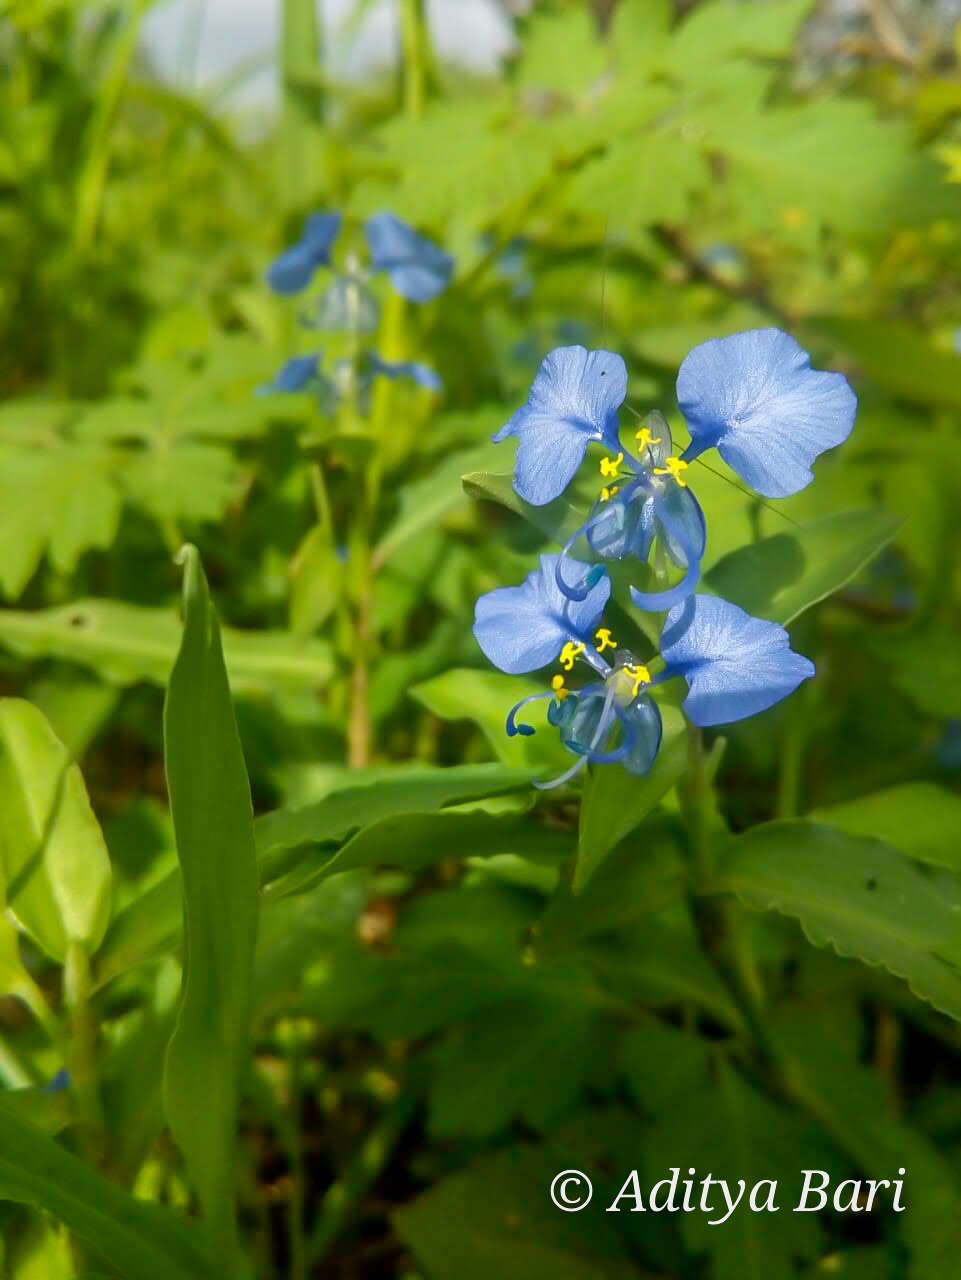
(416, 57)
(790, 772)
(82, 1049)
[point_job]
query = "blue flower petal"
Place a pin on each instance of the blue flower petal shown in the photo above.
(755, 396)
(422, 374)
(642, 722)
(523, 628)
(296, 374)
(418, 268)
(574, 399)
(293, 270)
(734, 665)
(681, 527)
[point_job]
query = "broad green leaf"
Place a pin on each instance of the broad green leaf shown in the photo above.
(728, 1127)
(921, 819)
(125, 643)
(52, 852)
(860, 896)
(781, 576)
(496, 1218)
(615, 801)
(142, 1241)
(213, 823)
(927, 669)
(416, 840)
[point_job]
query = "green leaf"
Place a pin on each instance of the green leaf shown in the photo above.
(857, 895)
(141, 1240)
(316, 574)
(898, 358)
(615, 801)
(127, 642)
(424, 503)
(495, 1218)
(417, 840)
(213, 823)
(485, 697)
(151, 924)
(52, 852)
(557, 520)
(364, 797)
(919, 818)
(781, 576)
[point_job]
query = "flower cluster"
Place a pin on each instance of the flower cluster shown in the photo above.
(755, 398)
(417, 268)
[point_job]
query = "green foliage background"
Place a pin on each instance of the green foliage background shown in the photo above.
(338, 993)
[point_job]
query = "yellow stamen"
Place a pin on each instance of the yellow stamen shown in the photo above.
(609, 466)
(569, 653)
(639, 675)
(608, 493)
(673, 466)
(560, 693)
(644, 438)
(604, 640)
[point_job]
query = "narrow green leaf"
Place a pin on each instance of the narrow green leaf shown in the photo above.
(125, 643)
(213, 824)
(417, 840)
(857, 895)
(615, 801)
(781, 576)
(52, 851)
(142, 1241)
(151, 924)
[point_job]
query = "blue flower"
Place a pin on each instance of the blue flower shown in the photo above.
(526, 627)
(755, 397)
(422, 374)
(293, 270)
(648, 499)
(734, 665)
(296, 374)
(418, 268)
(574, 400)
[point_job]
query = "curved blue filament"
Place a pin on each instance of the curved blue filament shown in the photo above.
(525, 730)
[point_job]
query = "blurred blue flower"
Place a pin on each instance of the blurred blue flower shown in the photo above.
(59, 1082)
(422, 374)
(574, 399)
(294, 269)
(735, 665)
(526, 627)
(295, 375)
(755, 397)
(346, 306)
(418, 268)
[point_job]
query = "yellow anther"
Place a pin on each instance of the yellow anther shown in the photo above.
(673, 466)
(609, 466)
(604, 640)
(569, 653)
(644, 438)
(639, 675)
(560, 693)
(608, 493)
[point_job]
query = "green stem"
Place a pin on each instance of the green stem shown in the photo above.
(82, 1055)
(789, 793)
(12, 1071)
(416, 56)
(302, 97)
